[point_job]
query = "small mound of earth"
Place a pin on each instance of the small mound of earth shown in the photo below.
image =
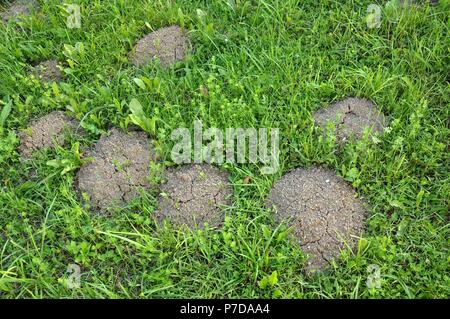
(120, 166)
(193, 195)
(48, 71)
(44, 131)
(18, 9)
(351, 117)
(322, 210)
(168, 44)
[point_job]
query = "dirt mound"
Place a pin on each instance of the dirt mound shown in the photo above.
(120, 165)
(351, 117)
(19, 8)
(167, 44)
(43, 131)
(322, 210)
(193, 195)
(48, 71)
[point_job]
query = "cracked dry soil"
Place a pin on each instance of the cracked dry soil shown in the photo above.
(43, 131)
(351, 117)
(168, 44)
(120, 165)
(322, 210)
(193, 195)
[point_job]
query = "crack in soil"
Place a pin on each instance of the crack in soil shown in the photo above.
(351, 117)
(192, 199)
(121, 164)
(322, 210)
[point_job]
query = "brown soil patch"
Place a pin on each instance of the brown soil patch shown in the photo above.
(168, 44)
(351, 117)
(120, 165)
(322, 210)
(48, 71)
(18, 9)
(193, 195)
(44, 131)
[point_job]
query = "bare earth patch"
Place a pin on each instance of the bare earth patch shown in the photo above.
(48, 71)
(120, 165)
(168, 44)
(322, 210)
(44, 131)
(193, 195)
(19, 8)
(351, 117)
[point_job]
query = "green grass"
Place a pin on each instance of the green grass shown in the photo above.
(264, 64)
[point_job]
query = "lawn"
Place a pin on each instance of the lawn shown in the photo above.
(262, 64)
